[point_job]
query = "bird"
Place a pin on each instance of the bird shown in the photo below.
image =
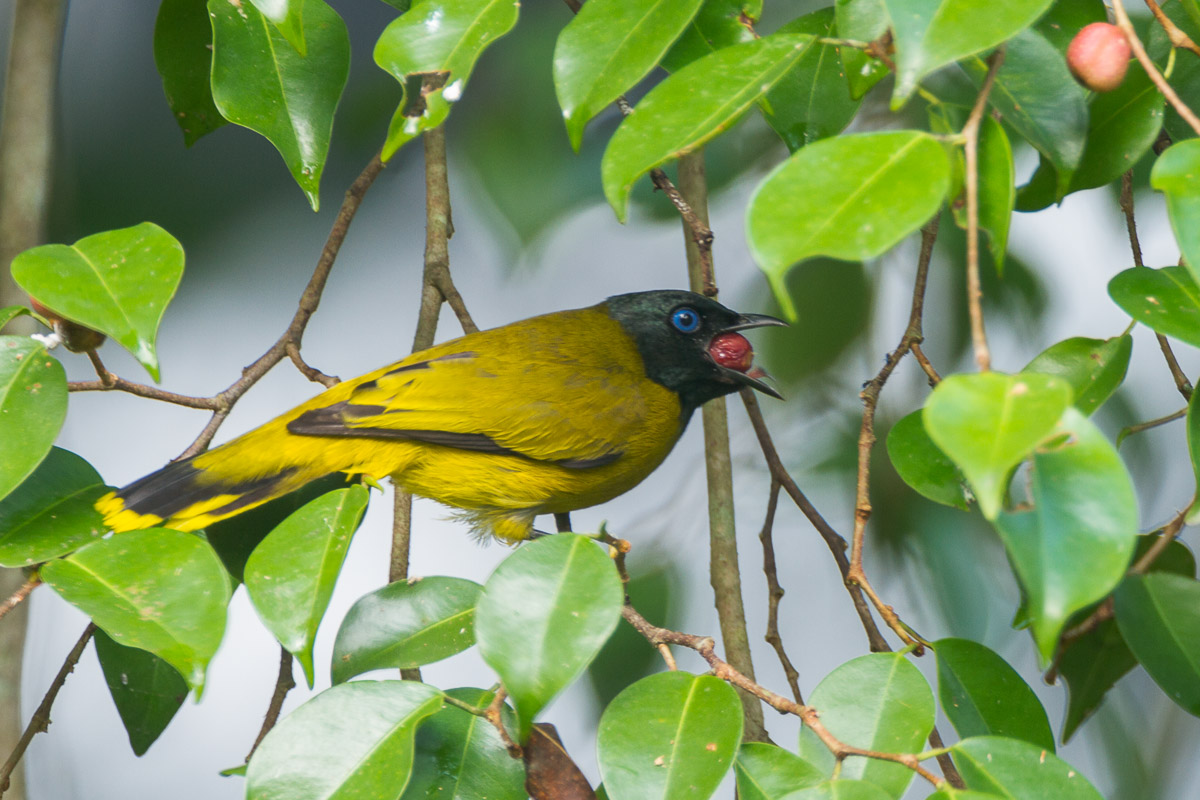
(545, 415)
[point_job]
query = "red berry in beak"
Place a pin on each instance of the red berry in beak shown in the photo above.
(731, 350)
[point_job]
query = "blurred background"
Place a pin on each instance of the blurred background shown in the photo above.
(533, 234)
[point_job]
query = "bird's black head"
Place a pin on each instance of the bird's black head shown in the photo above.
(690, 343)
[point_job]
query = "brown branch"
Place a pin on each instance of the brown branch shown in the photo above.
(40, 721)
(1176, 36)
(283, 684)
(1169, 532)
(114, 383)
(1139, 52)
(970, 133)
(775, 593)
(494, 716)
(19, 596)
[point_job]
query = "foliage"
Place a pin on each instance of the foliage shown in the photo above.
(1021, 445)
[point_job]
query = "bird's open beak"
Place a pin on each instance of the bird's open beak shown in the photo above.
(751, 375)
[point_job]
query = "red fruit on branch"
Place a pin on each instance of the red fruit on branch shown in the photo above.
(1098, 56)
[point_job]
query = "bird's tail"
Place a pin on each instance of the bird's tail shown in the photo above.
(186, 497)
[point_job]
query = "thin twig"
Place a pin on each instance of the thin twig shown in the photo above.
(19, 596)
(1129, 430)
(1139, 52)
(40, 721)
(970, 133)
(494, 716)
(1176, 36)
(113, 383)
(283, 684)
(775, 593)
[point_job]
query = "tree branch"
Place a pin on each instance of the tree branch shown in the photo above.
(19, 596)
(775, 593)
(283, 684)
(1139, 52)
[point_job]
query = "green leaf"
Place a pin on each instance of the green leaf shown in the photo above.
(878, 702)
(352, 741)
(1093, 367)
(840, 789)
(1176, 174)
(1165, 300)
(933, 33)
(997, 189)
(260, 81)
(288, 18)
(852, 197)
(1092, 663)
(1016, 769)
(718, 24)
(1122, 125)
(51, 513)
(669, 735)
(1193, 439)
(160, 590)
(982, 695)
(9, 313)
(989, 422)
(290, 576)
(460, 756)
(767, 772)
(183, 56)
(1159, 616)
(811, 101)
(865, 21)
(1039, 98)
(608, 47)
(1073, 546)
(146, 690)
(404, 625)
(692, 106)
(33, 405)
(434, 37)
(1066, 18)
(544, 614)
(924, 467)
(118, 282)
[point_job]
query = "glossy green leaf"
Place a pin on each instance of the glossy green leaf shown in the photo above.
(1016, 769)
(624, 658)
(183, 56)
(260, 81)
(864, 21)
(924, 467)
(117, 282)
(1072, 547)
(406, 624)
(160, 590)
(291, 574)
(1092, 663)
(51, 513)
(608, 47)
(1193, 439)
(1122, 125)
(352, 741)
(1093, 367)
(9, 313)
(930, 34)
(840, 789)
(989, 422)
(811, 102)
(878, 702)
(1165, 300)
(434, 37)
(851, 197)
(1176, 174)
(288, 18)
(33, 405)
(997, 190)
(1159, 616)
(692, 106)
(982, 695)
(1065, 18)
(767, 772)
(669, 735)
(948, 792)
(1041, 100)
(460, 756)
(146, 690)
(718, 24)
(544, 614)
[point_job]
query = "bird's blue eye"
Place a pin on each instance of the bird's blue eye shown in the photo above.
(685, 320)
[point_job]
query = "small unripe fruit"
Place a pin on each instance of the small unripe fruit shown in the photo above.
(1098, 56)
(75, 337)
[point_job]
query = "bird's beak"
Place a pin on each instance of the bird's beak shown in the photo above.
(752, 377)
